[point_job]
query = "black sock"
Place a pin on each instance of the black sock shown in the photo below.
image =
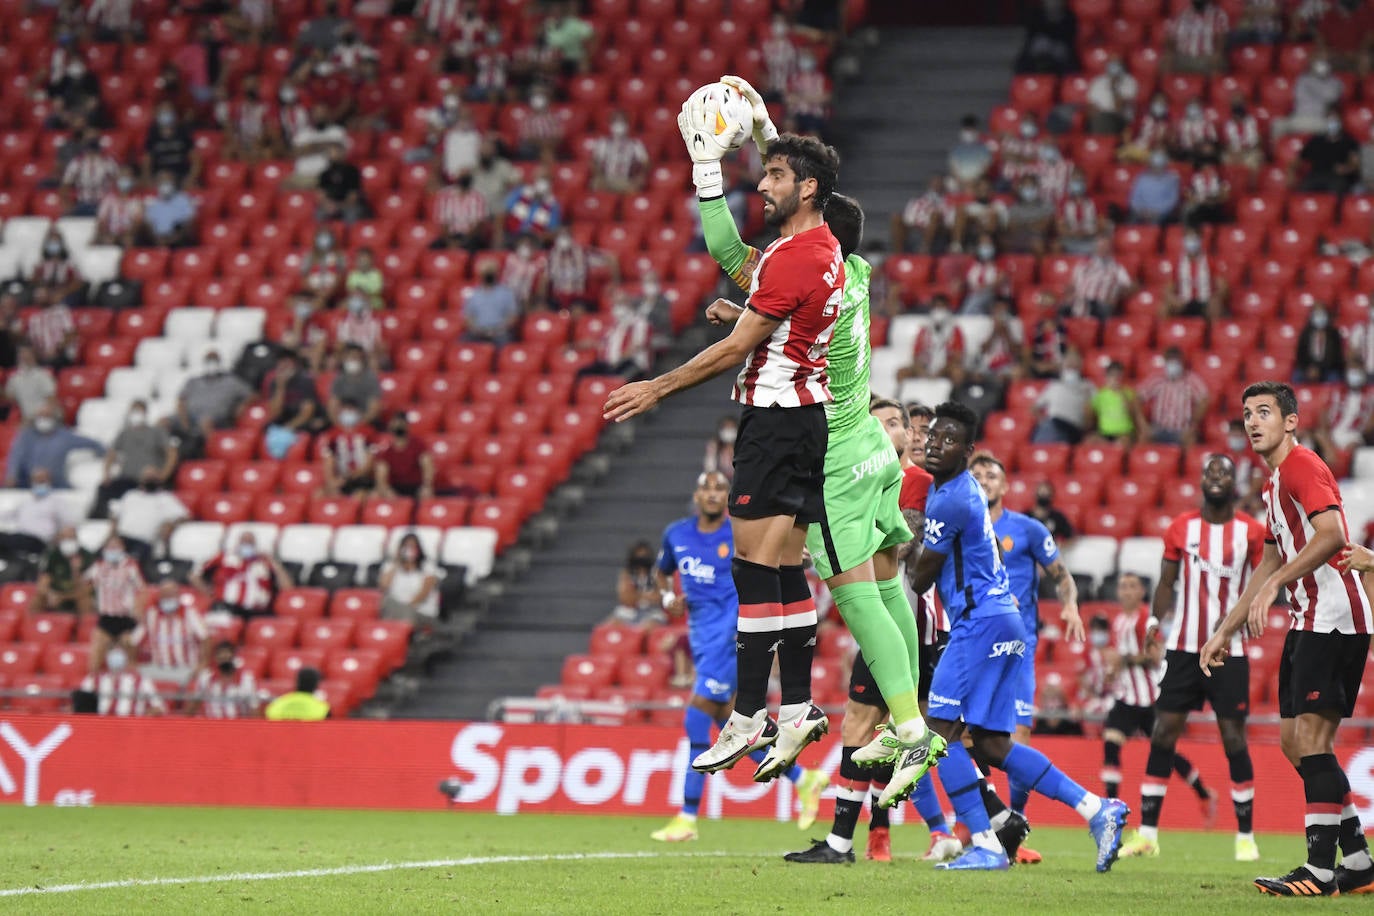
(1352, 832)
(1242, 789)
(798, 644)
(1111, 768)
(760, 610)
(1152, 788)
(991, 800)
(849, 795)
(878, 816)
(1189, 774)
(1324, 786)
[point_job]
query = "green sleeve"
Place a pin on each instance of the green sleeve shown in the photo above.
(724, 242)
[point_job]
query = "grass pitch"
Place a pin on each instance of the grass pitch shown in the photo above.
(233, 861)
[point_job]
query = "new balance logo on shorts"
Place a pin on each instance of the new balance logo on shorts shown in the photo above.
(1010, 647)
(742, 500)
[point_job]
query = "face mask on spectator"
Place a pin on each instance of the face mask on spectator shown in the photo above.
(779, 29)
(563, 242)
(1173, 368)
(149, 486)
(1099, 639)
(166, 119)
(806, 63)
(324, 241)
(1114, 68)
(212, 366)
(348, 418)
(137, 418)
(542, 187)
(1236, 442)
(1192, 244)
(493, 37)
(124, 184)
(1158, 160)
(1159, 109)
(357, 304)
(452, 103)
(650, 288)
(539, 102)
(353, 366)
(1029, 130)
(1071, 375)
(939, 316)
(69, 547)
(226, 666)
(727, 434)
(986, 252)
(524, 249)
(619, 128)
(169, 605)
(1319, 319)
(40, 490)
(45, 424)
(166, 189)
(1333, 126)
(112, 554)
(411, 554)
(248, 551)
(1193, 111)
(1354, 378)
(302, 309)
(115, 660)
(288, 96)
(1050, 153)
(1030, 194)
(1077, 187)
(76, 70)
(1321, 68)
(52, 249)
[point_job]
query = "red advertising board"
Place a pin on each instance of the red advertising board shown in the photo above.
(76, 760)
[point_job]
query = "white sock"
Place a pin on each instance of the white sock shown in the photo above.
(741, 722)
(1000, 818)
(1357, 861)
(1149, 833)
(839, 843)
(1089, 806)
(911, 731)
(790, 712)
(986, 839)
(1321, 874)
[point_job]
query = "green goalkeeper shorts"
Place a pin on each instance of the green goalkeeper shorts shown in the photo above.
(863, 481)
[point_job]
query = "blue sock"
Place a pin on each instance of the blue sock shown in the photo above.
(697, 724)
(1033, 770)
(960, 779)
(1020, 795)
(928, 805)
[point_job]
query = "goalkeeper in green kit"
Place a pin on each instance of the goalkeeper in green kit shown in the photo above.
(856, 546)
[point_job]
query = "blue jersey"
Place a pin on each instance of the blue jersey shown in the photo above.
(703, 560)
(973, 581)
(1027, 546)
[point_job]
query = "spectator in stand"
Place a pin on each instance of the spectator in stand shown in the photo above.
(88, 177)
(462, 215)
(323, 32)
(61, 584)
(620, 162)
(1048, 347)
(51, 333)
(626, 349)
(1360, 343)
(1332, 159)
(345, 454)
(35, 522)
(808, 96)
(1098, 286)
(169, 217)
(359, 329)
(1196, 288)
(1065, 406)
(1171, 405)
(173, 636)
(779, 57)
(1155, 192)
(1045, 512)
(1240, 138)
(55, 279)
(11, 339)
(242, 581)
(532, 209)
(1153, 131)
(494, 178)
(75, 94)
(372, 111)
(1030, 220)
(1019, 152)
(571, 37)
(1077, 224)
(365, 278)
(490, 69)
(404, 465)
(1051, 43)
(224, 689)
(490, 310)
(1002, 357)
(145, 516)
(1052, 173)
(30, 386)
(1196, 39)
(1315, 92)
(170, 148)
(293, 116)
(1348, 422)
(355, 383)
(139, 446)
(1113, 406)
(720, 450)
(170, 89)
(215, 399)
(1208, 196)
(113, 689)
(252, 132)
(1193, 134)
(1111, 99)
(969, 160)
(923, 226)
(1260, 23)
(1344, 29)
(883, 295)
(301, 705)
(1251, 471)
(541, 129)
(327, 87)
(460, 142)
(984, 214)
(939, 348)
(410, 584)
(1320, 355)
(292, 403)
(1053, 713)
(570, 272)
(115, 21)
(323, 270)
(341, 189)
(310, 145)
(525, 273)
(984, 282)
(119, 215)
(638, 599)
(117, 587)
(45, 443)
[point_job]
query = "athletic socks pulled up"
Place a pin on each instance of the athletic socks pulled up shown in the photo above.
(961, 778)
(798, 646)
(1243, 789)
(884, 648)
(1325, 789)
(849, 801)
(697, 724)
(1034, 769)
(927, 803)
(1189, 774)
(758, 631)
(1111, 768)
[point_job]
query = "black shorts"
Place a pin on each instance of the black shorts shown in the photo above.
(1320, 672)
(780, 463)
(114, 625)
(1184, 686)
(1131, 720)
(863, 689)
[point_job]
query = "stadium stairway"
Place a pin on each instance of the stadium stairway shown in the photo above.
(933, 77)
(545, 613)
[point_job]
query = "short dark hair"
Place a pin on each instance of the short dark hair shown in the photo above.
(962, 414)
(307, 680)
(986, 457)
(917, 409)
(889, 404)
(1282, 392)
(808, 157)
(845, 218)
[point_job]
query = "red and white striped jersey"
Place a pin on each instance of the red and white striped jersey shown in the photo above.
(1096, 280)
(1207, 184)
(1191, 133)
(1361, 342)
(541, 127)
(440, 17)
(1214, 565)
(123, 693)
(55, 272)
(1079, 215)
(90, 175)
(1135, 685)
(521, 275)
(780, 59)
(348, 450)
(174, 640)
(112, 14)
(931, 620)
(982, 276)
(1152, 131)
(116, 586)
(1193, 278)
(293, 119)
(242, 583)
(1053, 178)
(459, 211)
(628, 339)
(118, 213)
(619, 158)
(568, 270)
(257, 13)
(232, 697)
(492, 65)
(247, 118)
(807, 93)
(922, 211)
(798, 282)
(1199, 34)
(364, 330)
(1241, 134)
(935, 349)
(48, 330)
(1170, 403)
(1326, 600)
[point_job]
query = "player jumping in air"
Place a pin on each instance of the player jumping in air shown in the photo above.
(699, 548)
(975, 683)
(1208, 558)
(1324, 652)
(855, 541)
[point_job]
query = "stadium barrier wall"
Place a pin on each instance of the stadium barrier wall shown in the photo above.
(88, 760)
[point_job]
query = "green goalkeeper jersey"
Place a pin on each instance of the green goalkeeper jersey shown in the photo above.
(849, 350)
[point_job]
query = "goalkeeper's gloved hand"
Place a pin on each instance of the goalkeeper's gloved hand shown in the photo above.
(764, 130)
(699, 126)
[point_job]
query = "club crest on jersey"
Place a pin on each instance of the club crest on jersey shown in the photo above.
(723, 550)
(1007, 543)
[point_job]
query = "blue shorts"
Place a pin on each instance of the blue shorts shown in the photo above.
(977, 677)
(1025, 687)
(716, 672)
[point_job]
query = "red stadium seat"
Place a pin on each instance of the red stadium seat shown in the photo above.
(39, 693)
(334, 510)
(68, 662)
(326, 634)
(389, 512)
(19, 659)
(201, 476)
(359, 668)
(1158, 460)
(503, 515)
(47, 629)
(390, 639)
(286, 661)
(301, 603)
(617, 640)
(356, 603)
(651, 671)
(226, 508)
(272, 632)
(590, 671)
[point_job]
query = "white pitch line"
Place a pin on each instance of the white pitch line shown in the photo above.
(344, 870)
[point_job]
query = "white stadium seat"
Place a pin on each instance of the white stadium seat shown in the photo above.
(976, 329)
(98, 263)
(474, 548)
(1362, 464)
(1141, 556)
(160, 353)
(242, 324)
(24, 236)
(883, 368)
(265, 532)
(93, 534)
(10, 500)
(77, 231)
(429, 536)
(360, 544)
(1092, 556)
(903, 331)
(1358, 498)
(101, 418)
(928, 391)
(196, 541)
(190, 324)
(170, 382)
(78, 501)
(304, 544)
(129, 383)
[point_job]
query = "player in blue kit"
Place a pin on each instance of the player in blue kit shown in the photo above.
(700, 548)
(975, 682)
(1027, 548)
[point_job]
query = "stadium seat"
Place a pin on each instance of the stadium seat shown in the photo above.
(287, 661)
(616, 640)
(651, 671)
(47, 629)
(390, 639)
(590, 671)
(68, 662)
(359, 668)
(195, 542)
(38, 693)
(19, 659)
(356, 603)
(1141, 556)
(1094, 557)
(271, 632)
(301, 603)
(326, 634)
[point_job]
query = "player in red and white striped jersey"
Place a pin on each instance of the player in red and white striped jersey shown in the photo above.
(223, 689)
(1324, 653)
(1209, 554)
(119, 690)
(173, 636)
(1134, 663)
